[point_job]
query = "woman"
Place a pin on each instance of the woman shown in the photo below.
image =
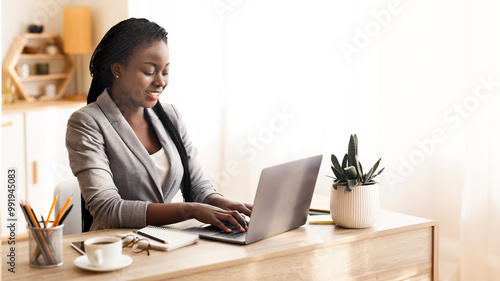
(130, 153)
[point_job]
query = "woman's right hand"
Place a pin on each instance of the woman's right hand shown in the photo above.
(217, 217)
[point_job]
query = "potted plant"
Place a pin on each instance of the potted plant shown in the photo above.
(355, 196)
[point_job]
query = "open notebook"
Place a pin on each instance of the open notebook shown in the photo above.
(174, 238)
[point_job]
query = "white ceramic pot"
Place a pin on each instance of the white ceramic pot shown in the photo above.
(359, 208)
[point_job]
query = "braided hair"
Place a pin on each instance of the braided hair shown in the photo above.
(116, 46)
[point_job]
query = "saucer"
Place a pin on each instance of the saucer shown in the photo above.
(83, 262)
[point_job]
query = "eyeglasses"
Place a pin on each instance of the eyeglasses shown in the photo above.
(138, 245)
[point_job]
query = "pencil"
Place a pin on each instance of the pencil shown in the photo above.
(63, 217)
(25, 212)
(42, 242)
(43, 221)
(35, 219)
(56, 221)
(52, 208)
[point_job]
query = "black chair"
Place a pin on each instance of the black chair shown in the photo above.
(87, 218)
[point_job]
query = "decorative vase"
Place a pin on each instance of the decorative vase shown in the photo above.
(51, 48)
(357, 209)
(35, 28)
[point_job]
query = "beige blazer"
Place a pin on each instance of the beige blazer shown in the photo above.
(117, 177)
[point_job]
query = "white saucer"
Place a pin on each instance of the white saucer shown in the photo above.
(83, 262)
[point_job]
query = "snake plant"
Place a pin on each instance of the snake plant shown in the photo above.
(350, 173)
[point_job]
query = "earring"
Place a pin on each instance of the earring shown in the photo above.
(117, 76)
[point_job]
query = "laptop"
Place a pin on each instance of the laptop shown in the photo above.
(281, 203)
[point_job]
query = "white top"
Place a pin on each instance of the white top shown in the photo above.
(162, 165)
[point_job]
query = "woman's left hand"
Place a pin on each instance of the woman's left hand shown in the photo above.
(228, 204)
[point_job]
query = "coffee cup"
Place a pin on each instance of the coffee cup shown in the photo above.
(103, 251)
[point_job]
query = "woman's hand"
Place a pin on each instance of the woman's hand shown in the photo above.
(228, 204)
(217, 217)
(235, 207)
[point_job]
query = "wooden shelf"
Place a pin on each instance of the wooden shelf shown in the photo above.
(24, 106)
(40, 35)
(41, 56)
(16, 56)
(45, 77)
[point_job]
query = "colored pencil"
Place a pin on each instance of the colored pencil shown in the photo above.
(63, 217)
(56, 221)
(32, 214)
(52, 208)
(43, 221)
(42, 245)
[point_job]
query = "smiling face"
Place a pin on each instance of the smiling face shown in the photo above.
(142, 77)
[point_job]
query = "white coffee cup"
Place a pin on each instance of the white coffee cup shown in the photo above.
(103, 251)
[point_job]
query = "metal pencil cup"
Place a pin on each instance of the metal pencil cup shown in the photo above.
(45, 246)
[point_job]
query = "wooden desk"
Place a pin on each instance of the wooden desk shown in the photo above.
(397, 247)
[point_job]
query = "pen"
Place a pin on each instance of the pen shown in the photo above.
(149, 236)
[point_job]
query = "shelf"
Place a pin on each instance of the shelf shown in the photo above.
(41, 56)
(15, 55)
(26, 106)
(45, 77)
(40, 35)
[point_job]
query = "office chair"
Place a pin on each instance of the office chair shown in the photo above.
(65, 189)
(86, 216)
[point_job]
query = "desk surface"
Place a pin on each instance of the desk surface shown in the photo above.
(206, 256)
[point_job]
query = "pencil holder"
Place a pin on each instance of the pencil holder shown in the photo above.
(45, 246)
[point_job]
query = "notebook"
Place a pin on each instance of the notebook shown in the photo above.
(282, 202)
(157, 237)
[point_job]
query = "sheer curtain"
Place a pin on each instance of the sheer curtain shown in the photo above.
(480, 216)
(439, 88)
